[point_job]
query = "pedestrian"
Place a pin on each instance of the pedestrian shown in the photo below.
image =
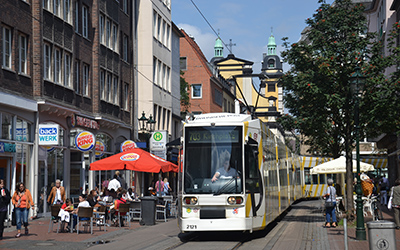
(22, 201)
(57, 194)
(114, 183)
(396, 202)
(384, 187)
(121, 179)
(4, 201)
(160, 187)
(167, 188)
(330, 195)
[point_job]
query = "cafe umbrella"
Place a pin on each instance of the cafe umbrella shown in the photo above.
(135, 159)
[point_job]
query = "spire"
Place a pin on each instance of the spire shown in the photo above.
(218, 48)
(271, 45)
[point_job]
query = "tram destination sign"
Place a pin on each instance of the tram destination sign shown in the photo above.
(217, 136)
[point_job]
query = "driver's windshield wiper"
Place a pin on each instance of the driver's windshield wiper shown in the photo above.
(224, 186)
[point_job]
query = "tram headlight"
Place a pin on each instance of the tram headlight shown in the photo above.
(235, 200)
(190, 200)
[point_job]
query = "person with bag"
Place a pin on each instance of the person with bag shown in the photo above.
(22, 201)
(395, 201)
(330, 204)
(4, 201)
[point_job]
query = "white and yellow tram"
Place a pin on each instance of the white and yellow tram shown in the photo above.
(263, 179)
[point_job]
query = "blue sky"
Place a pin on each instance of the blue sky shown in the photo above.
(247, 23)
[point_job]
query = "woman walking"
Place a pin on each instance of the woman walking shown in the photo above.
(330, 195)
(396, 202)
(4, 201)
(22, 201)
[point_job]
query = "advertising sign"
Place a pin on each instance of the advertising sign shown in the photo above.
(84, 141)
(48, 134)
(100, 148)
(128, 145)
(130, 157)
(158, 142)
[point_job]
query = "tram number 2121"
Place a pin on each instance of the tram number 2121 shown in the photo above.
(191, 226)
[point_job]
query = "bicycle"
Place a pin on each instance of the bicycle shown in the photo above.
(376, 211)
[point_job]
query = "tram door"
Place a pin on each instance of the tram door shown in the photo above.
(254, 185)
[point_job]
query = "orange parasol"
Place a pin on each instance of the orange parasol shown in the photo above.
(135, 159)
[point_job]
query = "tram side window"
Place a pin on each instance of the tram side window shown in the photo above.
(309, 178)
(253, 178)
(322, 179)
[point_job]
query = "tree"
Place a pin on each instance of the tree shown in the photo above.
(185, 105)
(317, 87)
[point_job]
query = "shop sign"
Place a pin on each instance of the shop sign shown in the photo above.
(128, 145)
(7, 147)
(80, 121)
(48, 134)
(84, 141)
(21, 134)
(130, 157)
(99, 149)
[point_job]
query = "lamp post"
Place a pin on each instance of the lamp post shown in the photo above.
(147, 126)
(357, 85)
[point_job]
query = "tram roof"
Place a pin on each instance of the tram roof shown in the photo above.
(219, 117)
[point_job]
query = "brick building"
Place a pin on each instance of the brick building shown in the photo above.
(67, 64)
(209, 92)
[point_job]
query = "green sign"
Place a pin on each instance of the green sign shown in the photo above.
(157, 136)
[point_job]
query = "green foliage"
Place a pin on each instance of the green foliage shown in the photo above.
(317, 87)
(185, 105)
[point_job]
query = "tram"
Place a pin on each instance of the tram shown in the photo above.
(235, 174)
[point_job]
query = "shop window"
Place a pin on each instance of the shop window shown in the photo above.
(6, 126)
(22, 130)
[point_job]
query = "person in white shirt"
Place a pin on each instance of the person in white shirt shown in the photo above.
(114, 184)
(82, 203)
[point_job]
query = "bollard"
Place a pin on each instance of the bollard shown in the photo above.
(345, 234)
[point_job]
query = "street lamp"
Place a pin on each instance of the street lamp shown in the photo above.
(151, 123)
(357, 86)
(142, 120)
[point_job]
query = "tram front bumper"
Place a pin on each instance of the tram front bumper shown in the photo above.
(228, 224)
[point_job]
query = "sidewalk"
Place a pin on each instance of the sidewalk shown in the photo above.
(39, 237)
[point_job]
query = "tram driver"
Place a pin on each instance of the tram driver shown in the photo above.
(225, 171)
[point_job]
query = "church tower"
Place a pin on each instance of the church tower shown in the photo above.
(218, 50)
(272, 67)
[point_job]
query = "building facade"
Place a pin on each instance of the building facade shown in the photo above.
(66, 64)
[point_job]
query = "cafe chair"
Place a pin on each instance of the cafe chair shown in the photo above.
(54, 218)
(162, 209)
(85, 215)
(174, 208)
(135, 210)
(100, 218)
(123, 212)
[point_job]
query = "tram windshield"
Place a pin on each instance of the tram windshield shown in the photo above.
(213, 160)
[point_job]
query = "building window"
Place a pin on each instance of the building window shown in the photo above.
(67, 11)
(67, 69)
(77, 77)
(77, 17)
(126, 96)
(85, 21)
(182, 63)
(108, 32)
(271, 87)
(85, 80)
(7, 44)
(159, 23)
(218, 97)
(196, 91)
(109, 89)
(125, 6)
(57, 66)
(168, 79)
(164, 77)
(125, 47)
(168, 37)
(115, 91)
(102, 79)
(22, 54)
(159, 77)
(271, 63)
(155, 24)
(101, 27)
(46, 4)
(47, 62)
(56, 7)
(163, 34)
(114, 38)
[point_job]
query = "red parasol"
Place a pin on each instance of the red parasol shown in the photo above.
(135, 159)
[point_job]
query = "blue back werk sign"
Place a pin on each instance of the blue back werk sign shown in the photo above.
(7, 147)
(48, 134)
